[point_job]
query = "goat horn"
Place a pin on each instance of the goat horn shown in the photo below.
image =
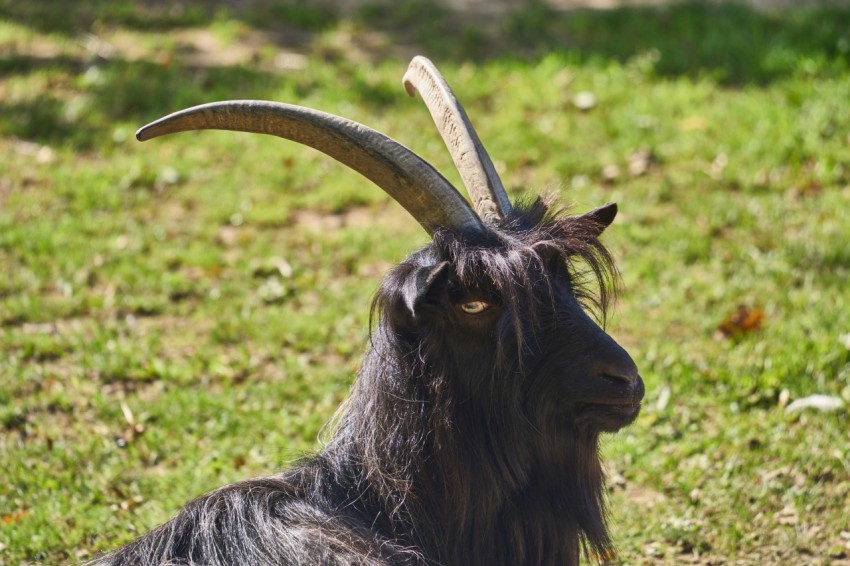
(406, 177)
(468, 153)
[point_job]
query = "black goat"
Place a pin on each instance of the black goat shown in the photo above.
(471, 433)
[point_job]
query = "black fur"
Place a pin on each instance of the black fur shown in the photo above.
(468, 439)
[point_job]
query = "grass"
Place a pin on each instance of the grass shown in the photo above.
(188, 312)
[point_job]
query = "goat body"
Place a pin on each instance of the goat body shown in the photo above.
(471, 433)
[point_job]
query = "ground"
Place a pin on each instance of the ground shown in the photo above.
(188, 312)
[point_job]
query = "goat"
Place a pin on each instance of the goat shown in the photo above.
(471, 433)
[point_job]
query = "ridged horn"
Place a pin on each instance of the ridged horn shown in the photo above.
(468, 153)
(410, 180)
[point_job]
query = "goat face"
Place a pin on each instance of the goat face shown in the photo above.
(595, 385)
(508, 313)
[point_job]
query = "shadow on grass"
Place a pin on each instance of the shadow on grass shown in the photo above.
(733, 44)
(117, 92)
(77, 16)
(120, 91)
(732, 41)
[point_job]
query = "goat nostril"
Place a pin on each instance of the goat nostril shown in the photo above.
(627, 378)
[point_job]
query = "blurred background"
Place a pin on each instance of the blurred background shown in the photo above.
(187, 312)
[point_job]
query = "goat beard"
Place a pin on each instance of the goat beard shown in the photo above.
(502, 476)
(522, 501)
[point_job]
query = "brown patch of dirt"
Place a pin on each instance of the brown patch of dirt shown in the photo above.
(643, 497)
(200, 47)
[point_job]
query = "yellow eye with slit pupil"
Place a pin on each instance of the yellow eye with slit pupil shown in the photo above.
(474, 307)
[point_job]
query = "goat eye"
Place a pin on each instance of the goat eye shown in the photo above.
(474, 307)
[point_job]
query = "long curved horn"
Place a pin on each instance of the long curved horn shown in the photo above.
(471, 159)
(405, 176)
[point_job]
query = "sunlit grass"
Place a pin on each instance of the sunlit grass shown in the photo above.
(188, 312)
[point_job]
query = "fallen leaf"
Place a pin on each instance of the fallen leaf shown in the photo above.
(14, 516)
(743, 321)
(718, 165)
(584, 100)
(663, 398)
(823, 403)
(640, 161)
(128, 413)
(610, 173)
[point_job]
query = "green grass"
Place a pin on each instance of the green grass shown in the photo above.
(188, 312)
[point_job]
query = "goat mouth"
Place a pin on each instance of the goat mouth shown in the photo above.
(625, 408)
(628, 397)
(613, 407)
(616, 394)
(607, 416)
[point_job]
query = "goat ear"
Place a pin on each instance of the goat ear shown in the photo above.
(420, 282)
(602, 216)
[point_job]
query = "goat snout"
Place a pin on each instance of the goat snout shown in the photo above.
(627, 378)
(620, 372)
(616, 365)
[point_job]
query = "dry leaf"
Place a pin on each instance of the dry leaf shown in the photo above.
(610, 173)
(663, 398)
(823, 403)
(128, 414)
(744, 320)
(640, 161)
(14, 516)
(719, 163)
(584, 100)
